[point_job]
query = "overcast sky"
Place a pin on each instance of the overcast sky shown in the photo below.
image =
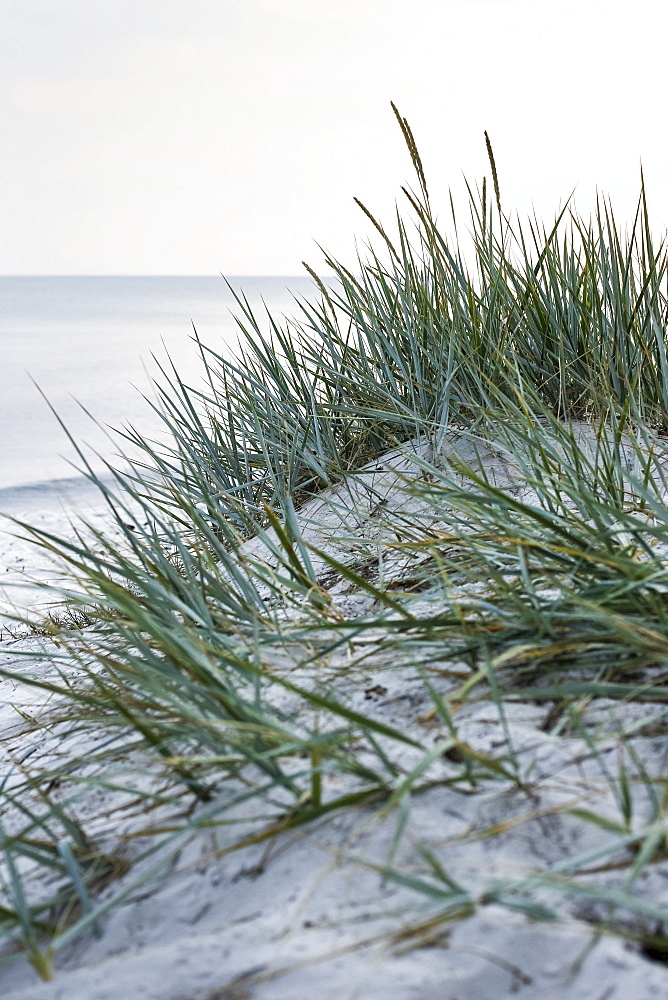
(199, 136)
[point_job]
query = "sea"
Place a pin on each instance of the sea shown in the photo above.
(79, 356)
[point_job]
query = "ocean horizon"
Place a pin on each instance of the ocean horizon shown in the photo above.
(84, 349)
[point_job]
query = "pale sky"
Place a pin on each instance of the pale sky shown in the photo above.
(200, 136)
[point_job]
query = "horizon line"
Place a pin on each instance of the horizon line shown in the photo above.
(165, 274)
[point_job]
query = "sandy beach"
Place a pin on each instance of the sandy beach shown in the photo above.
(315, 910)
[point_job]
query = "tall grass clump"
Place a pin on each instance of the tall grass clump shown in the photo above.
(469, 439)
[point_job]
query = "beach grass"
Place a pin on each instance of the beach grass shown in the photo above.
(507, 547)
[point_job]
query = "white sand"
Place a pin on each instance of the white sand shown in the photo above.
(303, 918)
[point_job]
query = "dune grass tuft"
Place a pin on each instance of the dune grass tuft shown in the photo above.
(452, 461)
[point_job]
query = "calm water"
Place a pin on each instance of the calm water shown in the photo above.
(86, 341)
